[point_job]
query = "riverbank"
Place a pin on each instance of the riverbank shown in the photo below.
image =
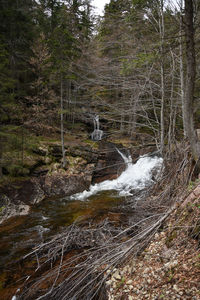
(169, 268)
(46, 177)
(41, 175)
(122, 253)
(100, 259)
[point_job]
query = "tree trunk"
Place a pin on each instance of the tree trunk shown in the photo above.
(190, 82)
(181, 65)
(1, 152)
(162, 36)
(61, 124)
(172, 114)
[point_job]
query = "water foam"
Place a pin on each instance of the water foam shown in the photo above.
(136, 177)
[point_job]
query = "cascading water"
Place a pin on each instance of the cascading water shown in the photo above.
(65, 210)
(126, 159)
(136, 177)
(96, 118)
(97, 133)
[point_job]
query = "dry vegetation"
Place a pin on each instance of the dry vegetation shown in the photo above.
(77, 263)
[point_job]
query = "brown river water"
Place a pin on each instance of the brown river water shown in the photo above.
(19, 235)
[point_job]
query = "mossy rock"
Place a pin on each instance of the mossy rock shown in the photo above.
(74, 161)
(85, 152)
(55, 151)
(17, 170)
(41, 150)
(33, 161)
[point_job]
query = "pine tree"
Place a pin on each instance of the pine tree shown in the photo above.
(16, 34)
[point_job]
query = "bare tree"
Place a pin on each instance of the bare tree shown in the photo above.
(181, 62)
(162, 111)
(61, 124)
(190, 81)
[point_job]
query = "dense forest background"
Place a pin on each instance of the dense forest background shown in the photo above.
(60, 65)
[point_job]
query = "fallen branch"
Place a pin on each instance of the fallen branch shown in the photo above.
(74, 264)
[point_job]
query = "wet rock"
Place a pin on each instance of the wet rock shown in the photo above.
(23, 191)
(110, 163)
(55, 150)
(40, 171)
(18, 197)
(86, 152)
(9, 209)
(61, 184)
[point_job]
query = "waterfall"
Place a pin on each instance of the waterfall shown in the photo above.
(136, 177)
(96, 118)
(97, 133)
(127, 160)
(15, 296)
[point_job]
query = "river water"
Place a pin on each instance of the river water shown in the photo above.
(20, 234)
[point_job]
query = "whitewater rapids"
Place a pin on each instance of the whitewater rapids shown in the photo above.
(136, 177)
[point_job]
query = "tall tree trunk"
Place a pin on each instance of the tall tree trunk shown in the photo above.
(190, 82)
(162, 35)
(181, 65)
(1, 152)
(172, 115)
(61, 123)
(134, 114)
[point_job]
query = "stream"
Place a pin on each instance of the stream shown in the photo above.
(20, 234)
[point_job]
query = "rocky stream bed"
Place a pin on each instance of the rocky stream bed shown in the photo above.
(40, 207)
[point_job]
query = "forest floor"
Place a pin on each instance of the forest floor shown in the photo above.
(169, 268)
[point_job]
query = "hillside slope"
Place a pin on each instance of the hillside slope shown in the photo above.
(169, 268)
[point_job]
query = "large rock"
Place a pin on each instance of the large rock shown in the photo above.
(9, 209)
(27, 191)
(86, 152)
(60, 184)
(18, 197)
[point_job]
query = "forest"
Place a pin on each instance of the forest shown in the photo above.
(137, 66)
(136, 69)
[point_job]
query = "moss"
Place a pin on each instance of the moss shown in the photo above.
(93, 144)
(2, 208)
(18, 156)
(17, 170)
(121, 283)
(75, 126)
(8, 180)
(126, 142)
